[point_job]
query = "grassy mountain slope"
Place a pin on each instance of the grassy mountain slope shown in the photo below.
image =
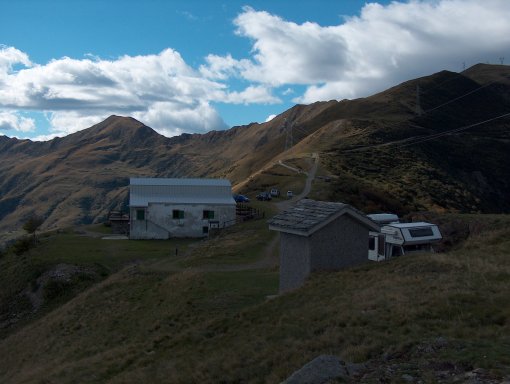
(436, 317)
(370, 147)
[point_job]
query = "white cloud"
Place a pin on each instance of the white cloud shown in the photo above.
(9, 56)
(285, 52)
(269, 118)
(385, 45)
(12, 121)
(252, 94)
(172, 118)
(66, 122)
(222, 67)
(161, 90)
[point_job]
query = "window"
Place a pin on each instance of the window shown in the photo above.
(140, 214)
(421, 232)
(205, 230)
(177, 214)
(208, 214)
(371, 243)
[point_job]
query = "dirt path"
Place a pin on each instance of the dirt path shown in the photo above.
(283, 205)
(270, 254)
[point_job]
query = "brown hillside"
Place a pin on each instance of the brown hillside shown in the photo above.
(380, 153)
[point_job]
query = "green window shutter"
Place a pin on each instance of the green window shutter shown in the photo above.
(140, 214)
(208, 214)
(177, 214)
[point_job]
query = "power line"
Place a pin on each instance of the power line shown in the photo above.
(421, 139)
(289, 130)
(460, 97)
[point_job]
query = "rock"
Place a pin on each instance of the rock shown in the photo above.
(354, 369)
(319, 371)
(407, 378)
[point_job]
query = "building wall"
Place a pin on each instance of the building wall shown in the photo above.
(160, 224)
(340, 244)
(294, 261)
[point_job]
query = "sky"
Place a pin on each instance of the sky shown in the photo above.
(199, 65)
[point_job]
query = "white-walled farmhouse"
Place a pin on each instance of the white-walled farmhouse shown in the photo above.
(161, 208)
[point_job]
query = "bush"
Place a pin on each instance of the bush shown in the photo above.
(32, 224)
(55, 288)
(22, 245)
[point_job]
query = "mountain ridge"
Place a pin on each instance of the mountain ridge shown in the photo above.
(80, 177)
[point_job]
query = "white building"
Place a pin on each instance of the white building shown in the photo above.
(162, 208)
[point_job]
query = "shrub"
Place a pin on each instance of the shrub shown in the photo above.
(22, 245)
(55, 288)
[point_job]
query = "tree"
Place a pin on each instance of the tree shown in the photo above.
(33, 224)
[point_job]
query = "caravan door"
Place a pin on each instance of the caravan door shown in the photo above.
(376, 245)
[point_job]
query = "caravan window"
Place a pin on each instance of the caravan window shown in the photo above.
(396, 250)
(420, 232)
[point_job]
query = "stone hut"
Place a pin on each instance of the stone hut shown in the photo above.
(319, 236)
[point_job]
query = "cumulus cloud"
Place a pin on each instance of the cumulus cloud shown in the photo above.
(269, 118)
(384, 45)
(161, 90)
(12, 121)
(176, 118)
(252, 94)
(9, 56)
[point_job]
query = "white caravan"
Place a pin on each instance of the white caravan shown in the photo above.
(396, 239)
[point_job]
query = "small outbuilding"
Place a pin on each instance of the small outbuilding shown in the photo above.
(319, 236)
(161, 208)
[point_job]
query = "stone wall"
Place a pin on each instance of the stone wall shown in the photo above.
(340, 244)
(160, 223)
(294, 261)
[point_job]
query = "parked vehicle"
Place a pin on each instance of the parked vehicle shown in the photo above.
(241, 199)
(275, 192)
(396, 239)
(290, 194)
(264, 196)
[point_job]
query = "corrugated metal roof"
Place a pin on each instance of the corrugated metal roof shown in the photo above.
(178, 181)
(143, 191)
(307, 216)
(143, 201)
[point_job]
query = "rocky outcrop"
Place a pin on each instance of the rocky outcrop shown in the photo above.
(323, 369)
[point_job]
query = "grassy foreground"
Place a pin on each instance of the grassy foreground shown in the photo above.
(433, 317)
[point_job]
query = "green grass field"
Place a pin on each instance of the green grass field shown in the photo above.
(154, 317)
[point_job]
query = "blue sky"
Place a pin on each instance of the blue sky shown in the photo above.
(193, 66)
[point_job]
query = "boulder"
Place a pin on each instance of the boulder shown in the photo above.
(320, 370)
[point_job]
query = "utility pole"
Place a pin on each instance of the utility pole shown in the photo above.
(501, 60)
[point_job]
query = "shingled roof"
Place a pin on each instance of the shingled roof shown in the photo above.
(307, 216)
